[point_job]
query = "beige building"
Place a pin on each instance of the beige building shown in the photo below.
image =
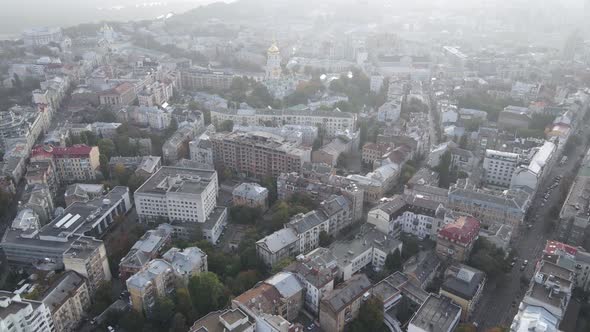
(88, 257)
(68, 301)
(156, 279)
(341, 306)
(250, 194)
(464, 285)
(75, 163)
(257, 154)
(122, 95)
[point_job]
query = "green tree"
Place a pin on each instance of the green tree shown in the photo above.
(325, 239)
(178, 323)
(410, 246)
(207, 292)
(370, 317)
(102, 297)
(393, 261)
(163, 311)
(106, 147)
(184, 304)
(444, 170)
(280, 265)
(131, 321)
(227, 125)
(244, 281)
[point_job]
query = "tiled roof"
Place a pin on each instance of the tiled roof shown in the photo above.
(463, 230)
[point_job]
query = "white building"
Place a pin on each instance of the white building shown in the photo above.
(42, 36)
(182, 196)
(186, 262)
(499, 166)
(22, 315)
(527, 177)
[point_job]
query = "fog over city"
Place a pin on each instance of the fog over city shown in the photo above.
(295, 165)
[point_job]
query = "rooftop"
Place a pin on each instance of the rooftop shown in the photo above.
(278, 240)
(464, 230)
(347, 292)
(462, 281)
(438, 313)
(234, 320)
(178, 180)
(186, 260)
(65, 287)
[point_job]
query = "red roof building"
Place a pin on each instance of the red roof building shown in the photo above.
(75, 163)
(455, 240)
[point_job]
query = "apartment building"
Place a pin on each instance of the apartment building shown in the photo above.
(340, 306)
(408, 214)
(277, 246)
(250, 194)
(488, 207)
(187, 262)
(228, 320)
(43, 172)
(68, 300)
(570, 257)
(122, 95)
(257, 154)
(155, 280)
(456, 239)
(18, 314)
(332, 122)
(320, 187)
(201, 78)
(574, 217)
(88, 257)
(368, 247)
(464, 285)
(437, 313)
(374, 151)
(316, 277)
(499, 166)
(183, 197)
(148, 247)
(76, 163)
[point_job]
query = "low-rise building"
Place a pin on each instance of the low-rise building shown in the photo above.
(278, 246)
(251, 195)
(464, 285)
(228, 320)
(186, 262)
(18, 314)
(82, 192)
(122, 95)
(456, 239)
(281, 294)
(342, 305)
(68, 300)
(437, 314)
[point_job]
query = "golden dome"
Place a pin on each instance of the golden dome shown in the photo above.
(273, 48)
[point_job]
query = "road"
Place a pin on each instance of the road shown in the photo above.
(500, 299)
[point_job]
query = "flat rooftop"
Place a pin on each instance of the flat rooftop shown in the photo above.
(178, 180)
(438, 313)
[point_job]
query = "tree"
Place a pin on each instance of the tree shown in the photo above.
(245, 215)
(280, 265)
(393, 261)
(102, 297)
(444, 170)
(106, 147)
(325, 239)
(370, 316)
(207, 292)
(131, 321)
(104, 165)
(410, 246)
(227, 125)
(178, 323)
(244, 281)
(184, 304)
(163, 311)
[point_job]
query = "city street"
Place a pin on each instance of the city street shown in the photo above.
(501, 297)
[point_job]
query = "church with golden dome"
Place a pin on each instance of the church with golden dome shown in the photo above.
(273, 62)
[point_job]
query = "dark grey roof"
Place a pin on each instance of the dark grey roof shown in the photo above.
(347, 292)
(463, 281)
(304, 222)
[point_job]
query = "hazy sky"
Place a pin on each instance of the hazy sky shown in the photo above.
(17, 15)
